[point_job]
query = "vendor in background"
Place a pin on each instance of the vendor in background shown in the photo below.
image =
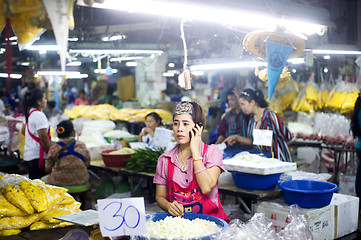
(109, 98)
(69, 95)
(233, 123)
(36, 131)
(261, 117)
(187, 176)
(152, 121)
(67, 160)
(51, 110)
(356, 132)
(81, 99)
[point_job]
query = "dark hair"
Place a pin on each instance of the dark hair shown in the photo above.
(64, 129)
(31, 99)
(51, 104)
(355, 121)
(230, 92)
(257, 96)
(81, 91)
(155, 116)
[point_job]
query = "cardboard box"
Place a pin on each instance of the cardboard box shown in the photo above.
(320, 220)
(346, 214)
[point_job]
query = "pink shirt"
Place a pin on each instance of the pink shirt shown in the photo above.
(213, 157)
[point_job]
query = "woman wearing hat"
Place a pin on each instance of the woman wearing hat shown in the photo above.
(187, 176)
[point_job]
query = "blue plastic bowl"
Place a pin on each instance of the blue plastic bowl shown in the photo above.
(160, 216)
(307, 193)
(255, 181)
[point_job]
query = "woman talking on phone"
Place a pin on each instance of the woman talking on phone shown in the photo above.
(187, 176)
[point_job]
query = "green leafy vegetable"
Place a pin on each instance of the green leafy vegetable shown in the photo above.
(144, 160)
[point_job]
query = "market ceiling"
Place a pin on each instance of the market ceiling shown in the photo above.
(205, 40)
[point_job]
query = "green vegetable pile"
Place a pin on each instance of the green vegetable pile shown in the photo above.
(144, 160)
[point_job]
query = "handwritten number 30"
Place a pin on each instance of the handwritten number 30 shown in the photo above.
(123, 217)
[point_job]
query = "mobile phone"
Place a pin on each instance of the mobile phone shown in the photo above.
(194, 131)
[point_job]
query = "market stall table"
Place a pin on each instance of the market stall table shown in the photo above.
(337, 150)
(244, 195)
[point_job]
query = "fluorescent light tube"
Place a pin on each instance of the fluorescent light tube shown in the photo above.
(57, 73)
(203, 12)
(329, 51)
(114, 51)
(12, 75)
(296, 60)
(131, 64)
(250, 64)
(43, 48)
(103, 71)
(74, 64)
(83, 75)
(119, 59)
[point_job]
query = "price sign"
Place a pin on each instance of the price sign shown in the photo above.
(262, 137)
(162, 137)
(119, 217)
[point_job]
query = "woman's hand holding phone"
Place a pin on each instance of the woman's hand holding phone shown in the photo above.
(195, 136)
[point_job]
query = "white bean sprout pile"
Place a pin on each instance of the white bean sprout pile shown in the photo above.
(178, 227)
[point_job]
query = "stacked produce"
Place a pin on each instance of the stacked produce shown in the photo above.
(32, 203)
(342, 97)
(328, 128)
(108, 112)
(307, 99)
(285, 93)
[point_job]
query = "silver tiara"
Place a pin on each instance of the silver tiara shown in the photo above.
(245, 93)
(183, 107)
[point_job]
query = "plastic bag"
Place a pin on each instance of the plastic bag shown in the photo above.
(19, 222)
(9, 210)
(54, 212)
(297, 228)
(39, 196)
(16, 196)
(42, 225)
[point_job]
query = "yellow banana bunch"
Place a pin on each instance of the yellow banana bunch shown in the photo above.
(349, 102)
(311, 93)
(335, 100)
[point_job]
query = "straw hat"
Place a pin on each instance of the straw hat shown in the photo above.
(255, 42)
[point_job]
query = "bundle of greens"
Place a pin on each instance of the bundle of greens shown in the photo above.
(144, 160)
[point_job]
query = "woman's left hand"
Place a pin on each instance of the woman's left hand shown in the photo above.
(196, 138)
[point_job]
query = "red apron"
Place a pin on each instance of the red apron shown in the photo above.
(42, 151)
(191, 197)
